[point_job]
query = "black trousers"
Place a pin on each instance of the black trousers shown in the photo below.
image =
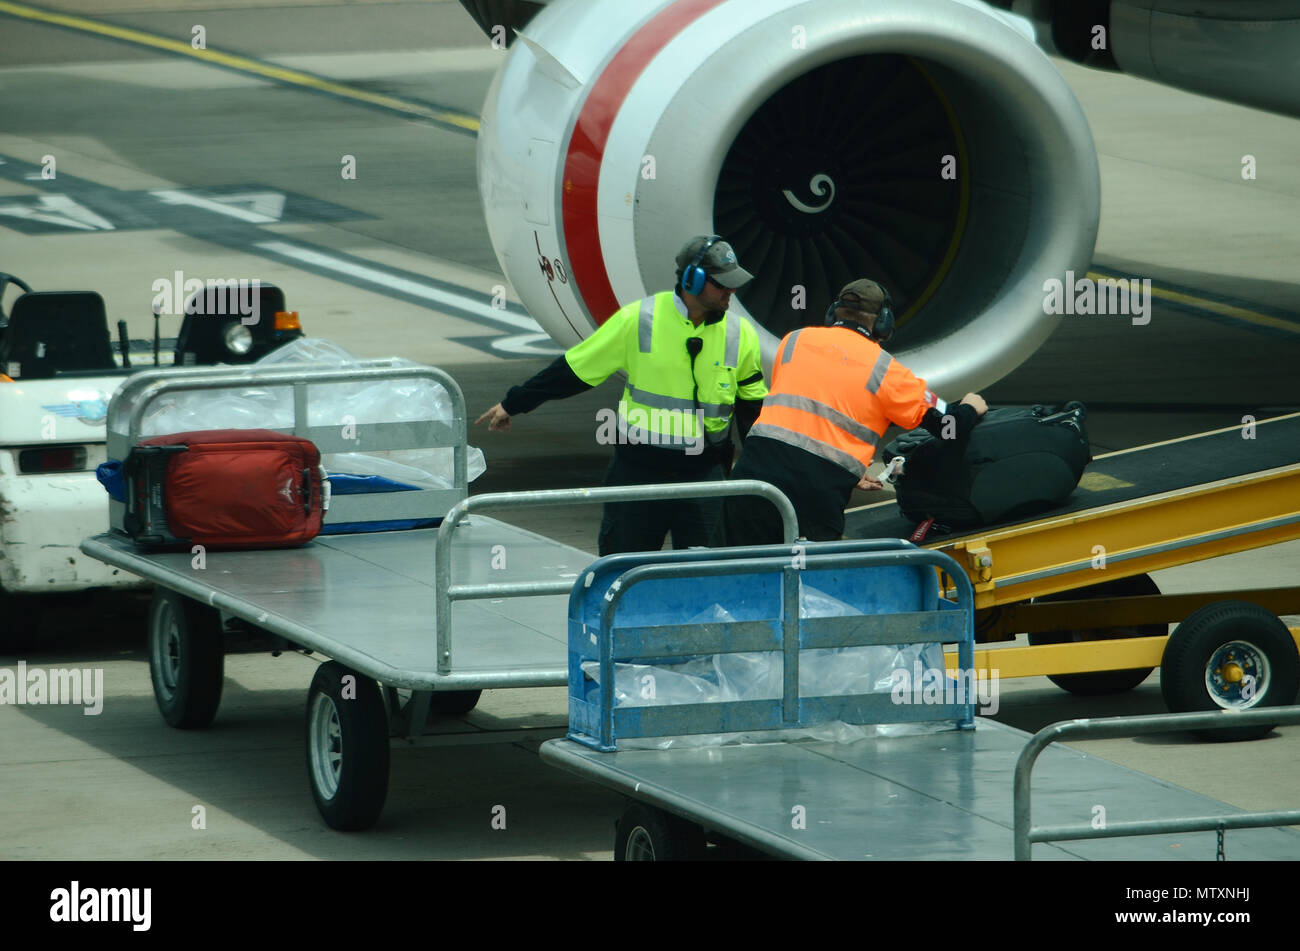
(817, 493)
(643, 526)
(755, 521)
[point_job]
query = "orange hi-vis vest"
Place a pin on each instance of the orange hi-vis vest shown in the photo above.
(834, 392)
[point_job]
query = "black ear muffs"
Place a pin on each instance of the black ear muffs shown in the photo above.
(695, 277)
(883, 327)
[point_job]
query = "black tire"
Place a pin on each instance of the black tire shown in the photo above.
(1210, 655)
(646, 834)
(187, 660)
(450, 702)
(347, 747)
(1104, 681)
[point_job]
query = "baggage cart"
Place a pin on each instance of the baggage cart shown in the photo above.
(411, 620)
(945, 793)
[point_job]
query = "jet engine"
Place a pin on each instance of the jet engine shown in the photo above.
(928, 144)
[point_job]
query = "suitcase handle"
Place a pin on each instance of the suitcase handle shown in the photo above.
(324, 490)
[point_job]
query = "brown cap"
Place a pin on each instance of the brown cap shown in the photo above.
(719, 261)
(862, 295)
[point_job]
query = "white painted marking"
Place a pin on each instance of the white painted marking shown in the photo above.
(270, 204)
(59, 210)
(527, 344)
(177, 197)
(479, 307)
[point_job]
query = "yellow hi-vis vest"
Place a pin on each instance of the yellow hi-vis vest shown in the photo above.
(647, 340)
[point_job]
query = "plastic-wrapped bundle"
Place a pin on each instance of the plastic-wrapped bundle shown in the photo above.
(757, 675)
(384, 401)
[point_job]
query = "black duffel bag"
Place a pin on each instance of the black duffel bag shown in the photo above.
(1016, 462)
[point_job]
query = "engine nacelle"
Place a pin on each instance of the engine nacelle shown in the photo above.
(928, 144)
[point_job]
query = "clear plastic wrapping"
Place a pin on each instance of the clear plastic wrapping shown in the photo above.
(757, 675)
(329, 404)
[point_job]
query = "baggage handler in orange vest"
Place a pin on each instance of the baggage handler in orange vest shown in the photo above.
(833, 394)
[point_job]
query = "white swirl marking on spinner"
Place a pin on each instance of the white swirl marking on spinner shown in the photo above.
(817, 186)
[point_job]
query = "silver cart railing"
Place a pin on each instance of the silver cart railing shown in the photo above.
(1026, 834)
(143, 392)
(445, 592)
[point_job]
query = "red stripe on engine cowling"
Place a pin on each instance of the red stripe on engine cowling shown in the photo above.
(586, 151)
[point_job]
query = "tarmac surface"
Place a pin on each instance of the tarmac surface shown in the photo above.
(358, 257)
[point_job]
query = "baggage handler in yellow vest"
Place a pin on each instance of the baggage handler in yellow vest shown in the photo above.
(691, 366)
(834, 393)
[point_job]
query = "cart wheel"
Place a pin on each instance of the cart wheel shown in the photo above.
(347, 747)
(186, 659)
(1104, 681)
(454, 701)
(1230, 655)
(645, 834)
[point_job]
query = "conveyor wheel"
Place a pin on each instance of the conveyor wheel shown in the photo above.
(454, 701)
(646, 834)
(1104, 681)
(1230, 655)
(347, 747)
(186, 659)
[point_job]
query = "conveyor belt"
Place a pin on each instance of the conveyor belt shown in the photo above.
(1131, 474)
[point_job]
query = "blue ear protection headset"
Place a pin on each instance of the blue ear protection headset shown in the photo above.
(883, 328)
(695, 277)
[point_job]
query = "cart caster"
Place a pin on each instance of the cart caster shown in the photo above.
(186, 659)
(347, 747)
(645, 834)
(1230, 655)
(1104, 681)
(450, 702)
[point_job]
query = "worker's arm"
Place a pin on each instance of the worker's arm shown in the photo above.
(909, 403)
(965, 415)
(746, 412)
(580, 368)
(751, 387)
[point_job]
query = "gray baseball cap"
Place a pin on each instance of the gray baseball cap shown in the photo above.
(719, 261)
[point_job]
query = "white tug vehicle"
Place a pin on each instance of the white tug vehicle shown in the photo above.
(59, 367)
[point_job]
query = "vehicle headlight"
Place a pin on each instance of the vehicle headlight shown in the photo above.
(238, 339)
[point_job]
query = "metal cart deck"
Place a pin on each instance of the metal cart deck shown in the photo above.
(930, 795)
(937, 796)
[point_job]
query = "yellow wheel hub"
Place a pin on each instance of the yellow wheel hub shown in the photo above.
(1231, 672)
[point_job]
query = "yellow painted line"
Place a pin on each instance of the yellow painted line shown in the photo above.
(243, 64)
(1236, 427)
(1214, 307)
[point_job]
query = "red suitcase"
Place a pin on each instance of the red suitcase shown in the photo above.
(225, 488)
